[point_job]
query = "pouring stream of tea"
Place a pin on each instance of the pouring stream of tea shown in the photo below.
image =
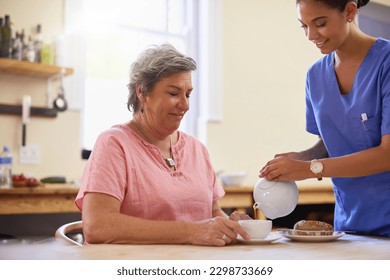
(255, 207)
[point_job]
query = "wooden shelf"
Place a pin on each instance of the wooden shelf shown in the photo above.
(25, 68)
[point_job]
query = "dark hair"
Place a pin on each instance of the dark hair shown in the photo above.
(152, 65)
(340, 4)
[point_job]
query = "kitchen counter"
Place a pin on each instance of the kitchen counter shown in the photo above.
(59, 198)
(44, 199)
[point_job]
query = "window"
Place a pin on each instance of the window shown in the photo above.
(105, 37)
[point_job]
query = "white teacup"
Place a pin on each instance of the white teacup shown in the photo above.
(275, 199)
(257, 229)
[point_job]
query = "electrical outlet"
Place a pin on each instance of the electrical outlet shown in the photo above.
(29, 154)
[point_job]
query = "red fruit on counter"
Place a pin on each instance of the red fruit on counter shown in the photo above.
(18, 180)
(32, 182)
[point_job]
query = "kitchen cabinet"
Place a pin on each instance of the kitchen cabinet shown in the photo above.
(35, 70)
(44, 199)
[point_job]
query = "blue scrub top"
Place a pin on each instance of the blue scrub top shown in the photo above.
(362, 203)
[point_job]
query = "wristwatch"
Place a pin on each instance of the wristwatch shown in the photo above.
(317, 167)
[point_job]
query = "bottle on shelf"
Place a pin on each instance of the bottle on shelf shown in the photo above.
(17, 47)
(6, 38)
(30, 51)
(38, 41)
(5, 168)
(24, 45)
(59, 50)
(1, 26)
(47, 53)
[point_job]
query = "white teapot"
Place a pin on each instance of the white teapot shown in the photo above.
(275, 199)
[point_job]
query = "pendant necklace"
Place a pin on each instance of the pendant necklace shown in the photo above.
(169, 160)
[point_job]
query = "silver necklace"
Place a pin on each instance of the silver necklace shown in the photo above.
(169, 160)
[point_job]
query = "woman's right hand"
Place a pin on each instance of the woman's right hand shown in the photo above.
(217, 231)
(236, 216)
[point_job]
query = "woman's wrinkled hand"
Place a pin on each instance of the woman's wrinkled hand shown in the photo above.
(217, 231)
(236, 216)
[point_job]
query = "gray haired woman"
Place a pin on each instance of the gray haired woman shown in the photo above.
(151, 66)
(148, 182)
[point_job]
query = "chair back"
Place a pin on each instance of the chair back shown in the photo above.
(71, 233)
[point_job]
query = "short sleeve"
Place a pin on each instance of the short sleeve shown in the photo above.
(311, 124)
(385, 91)
(106, 169)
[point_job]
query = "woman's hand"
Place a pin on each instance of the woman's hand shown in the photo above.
(236, 216)
(218, 231)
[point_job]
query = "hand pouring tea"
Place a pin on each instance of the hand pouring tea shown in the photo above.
(275, 199)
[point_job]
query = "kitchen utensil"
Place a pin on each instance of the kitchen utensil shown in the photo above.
(60, 103)
(233, 179)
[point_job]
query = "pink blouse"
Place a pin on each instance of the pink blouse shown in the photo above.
(134, 171)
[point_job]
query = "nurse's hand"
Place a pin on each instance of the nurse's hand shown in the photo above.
(292, 155)
(284, 168)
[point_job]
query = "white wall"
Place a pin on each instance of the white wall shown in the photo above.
(383, 2)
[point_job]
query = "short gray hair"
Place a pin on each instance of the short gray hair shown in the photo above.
(152, 65)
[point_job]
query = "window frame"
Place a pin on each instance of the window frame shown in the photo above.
(203, 44)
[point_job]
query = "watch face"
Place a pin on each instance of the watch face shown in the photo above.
(316, 167)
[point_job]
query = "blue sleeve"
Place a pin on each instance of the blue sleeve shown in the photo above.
(385, 92)
(311, 124)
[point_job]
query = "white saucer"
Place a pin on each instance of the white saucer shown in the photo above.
(314, 238)
(269, 239)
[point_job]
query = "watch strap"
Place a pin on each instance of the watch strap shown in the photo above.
(318, 174)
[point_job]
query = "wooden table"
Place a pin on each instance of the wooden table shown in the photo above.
(347, 247)
(50, 198)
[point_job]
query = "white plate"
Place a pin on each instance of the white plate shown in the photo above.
(269, 239)
(306, 238)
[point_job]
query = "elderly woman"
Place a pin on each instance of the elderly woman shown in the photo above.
(147, 182)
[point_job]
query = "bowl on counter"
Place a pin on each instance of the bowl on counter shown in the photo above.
(233, 179)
